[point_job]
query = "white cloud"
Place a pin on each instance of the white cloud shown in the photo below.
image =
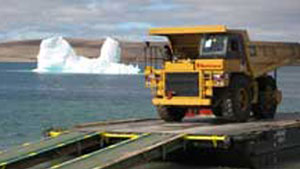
(266, 20)
(134, 25)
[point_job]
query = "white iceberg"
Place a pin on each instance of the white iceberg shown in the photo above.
(57, 56)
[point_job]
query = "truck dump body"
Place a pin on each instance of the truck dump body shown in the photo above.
(263, 56)
(267, 56)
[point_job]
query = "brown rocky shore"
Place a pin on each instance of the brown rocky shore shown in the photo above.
(27, 50)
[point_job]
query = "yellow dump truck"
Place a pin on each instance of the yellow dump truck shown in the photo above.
(220, 69)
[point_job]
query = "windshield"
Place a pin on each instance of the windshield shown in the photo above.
(212, 45)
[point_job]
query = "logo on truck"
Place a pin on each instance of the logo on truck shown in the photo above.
(201, 65)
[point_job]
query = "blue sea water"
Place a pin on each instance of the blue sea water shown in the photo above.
(31, 103)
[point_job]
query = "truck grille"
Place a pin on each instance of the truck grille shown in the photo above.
(182, 84)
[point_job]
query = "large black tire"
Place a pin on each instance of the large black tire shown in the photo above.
(171, 114)
(236, 105)
(267, 104)
(216, 102)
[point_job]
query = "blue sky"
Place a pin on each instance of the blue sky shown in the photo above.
(130, 20)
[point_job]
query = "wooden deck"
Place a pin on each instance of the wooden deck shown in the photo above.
(193, 126)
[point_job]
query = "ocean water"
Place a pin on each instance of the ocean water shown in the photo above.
(31, 103)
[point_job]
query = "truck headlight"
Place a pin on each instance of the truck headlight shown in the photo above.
(220, 79)
(220, 76)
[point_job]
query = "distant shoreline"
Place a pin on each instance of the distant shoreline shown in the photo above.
(27, 50)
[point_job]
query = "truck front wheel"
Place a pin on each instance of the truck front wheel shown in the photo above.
(171, 114)
(266, 106)
(236, 105)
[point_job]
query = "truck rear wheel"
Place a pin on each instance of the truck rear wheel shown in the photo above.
(236, 105)
(171, 114)
(267, 104)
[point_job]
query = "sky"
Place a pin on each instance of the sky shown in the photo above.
(277, 20)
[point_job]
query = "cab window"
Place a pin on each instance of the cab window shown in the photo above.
(212, 45)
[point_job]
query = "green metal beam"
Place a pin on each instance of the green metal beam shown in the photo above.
(127, 153)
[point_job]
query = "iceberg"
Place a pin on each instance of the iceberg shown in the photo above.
(57, 56)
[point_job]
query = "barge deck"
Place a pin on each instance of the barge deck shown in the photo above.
(119, 144)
